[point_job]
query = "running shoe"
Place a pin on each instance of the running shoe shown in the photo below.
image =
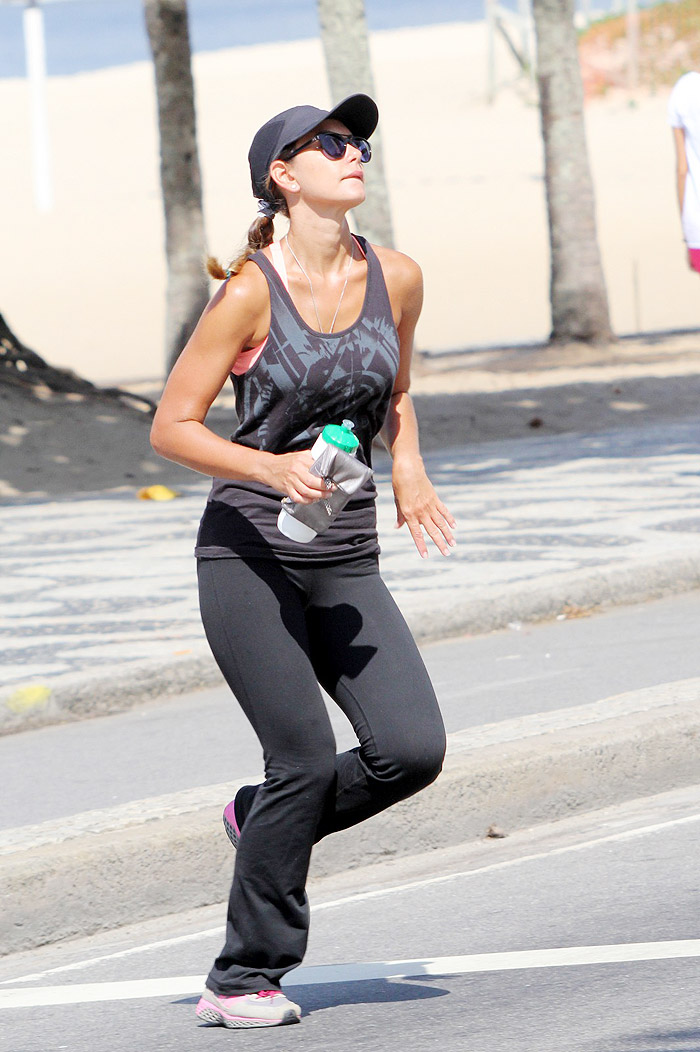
(235, 812)
(266, 1008)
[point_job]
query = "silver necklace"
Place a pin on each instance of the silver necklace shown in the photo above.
(311, 288)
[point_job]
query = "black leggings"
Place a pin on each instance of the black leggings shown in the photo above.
(277, 631)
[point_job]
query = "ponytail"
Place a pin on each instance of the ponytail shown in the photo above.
(260, 234)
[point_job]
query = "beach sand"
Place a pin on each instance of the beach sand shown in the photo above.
(84, 284)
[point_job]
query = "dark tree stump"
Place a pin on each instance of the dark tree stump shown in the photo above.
(22, 367)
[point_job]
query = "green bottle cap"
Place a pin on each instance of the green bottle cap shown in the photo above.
(341, 436)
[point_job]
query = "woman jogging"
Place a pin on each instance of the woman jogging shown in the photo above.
(313, 330)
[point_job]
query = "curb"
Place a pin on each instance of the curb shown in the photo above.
(117, 688)
(104, 869)
(579, 590)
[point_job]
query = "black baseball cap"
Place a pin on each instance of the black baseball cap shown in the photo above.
(358, 113)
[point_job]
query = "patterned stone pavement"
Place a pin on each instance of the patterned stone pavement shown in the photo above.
(99, 603)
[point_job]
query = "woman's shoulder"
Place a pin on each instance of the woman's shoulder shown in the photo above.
(240, 307)
(399, 269)
(246, 289)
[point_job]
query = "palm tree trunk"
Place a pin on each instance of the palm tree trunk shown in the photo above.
(577, 287)
(188, 289)
(346, 47)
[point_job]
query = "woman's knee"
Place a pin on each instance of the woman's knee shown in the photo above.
(427, 765)
(415, 763)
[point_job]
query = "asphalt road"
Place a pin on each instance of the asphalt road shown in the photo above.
(579, 936)
(202, 738)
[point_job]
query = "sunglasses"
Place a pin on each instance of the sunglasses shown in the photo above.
(333, 145)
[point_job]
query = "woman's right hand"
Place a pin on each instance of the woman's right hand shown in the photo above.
(289, 474)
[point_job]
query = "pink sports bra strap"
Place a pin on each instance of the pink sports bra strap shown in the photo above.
(249, 358)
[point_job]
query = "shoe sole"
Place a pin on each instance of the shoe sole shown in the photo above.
(236, 1022)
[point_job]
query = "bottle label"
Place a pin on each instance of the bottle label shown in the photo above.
(337, 469)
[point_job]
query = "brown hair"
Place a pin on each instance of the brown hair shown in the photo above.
(260, 235)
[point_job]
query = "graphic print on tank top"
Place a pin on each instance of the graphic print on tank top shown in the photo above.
(305, 379)
(302, 381)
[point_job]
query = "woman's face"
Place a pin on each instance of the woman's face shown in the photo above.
(325, 181)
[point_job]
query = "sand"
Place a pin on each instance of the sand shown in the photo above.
(84, 284)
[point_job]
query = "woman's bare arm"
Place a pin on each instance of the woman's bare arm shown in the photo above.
(237, 318)
(417, 503)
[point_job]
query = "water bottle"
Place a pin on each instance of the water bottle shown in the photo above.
(332, 452)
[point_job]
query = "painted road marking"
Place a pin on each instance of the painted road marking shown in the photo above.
(628, 834)
(184, 986)
(363, 896)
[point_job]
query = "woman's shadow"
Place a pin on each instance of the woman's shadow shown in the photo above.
(319, 996)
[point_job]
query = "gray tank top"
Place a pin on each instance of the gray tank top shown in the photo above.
(302, 381)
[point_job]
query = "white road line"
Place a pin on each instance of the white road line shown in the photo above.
(362, 896)
(75, 966)
(184, 986)
(628, 834)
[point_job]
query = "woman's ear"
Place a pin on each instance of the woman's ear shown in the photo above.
(281, 175)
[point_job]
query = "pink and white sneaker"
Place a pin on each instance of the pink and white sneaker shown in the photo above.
(265, 1008)
(236, 811)
(231, 826)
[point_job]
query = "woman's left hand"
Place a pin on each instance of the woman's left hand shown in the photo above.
(418, 505)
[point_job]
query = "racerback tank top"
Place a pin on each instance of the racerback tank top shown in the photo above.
(302, 381)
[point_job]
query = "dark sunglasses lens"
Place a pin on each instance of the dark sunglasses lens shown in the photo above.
(332, 145)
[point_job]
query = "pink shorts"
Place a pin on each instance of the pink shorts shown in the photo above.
(694, 256)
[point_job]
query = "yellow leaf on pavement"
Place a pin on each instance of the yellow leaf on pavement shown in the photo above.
(25, 698)
(157, 493)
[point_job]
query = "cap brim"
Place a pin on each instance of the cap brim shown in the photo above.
(358, 113)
